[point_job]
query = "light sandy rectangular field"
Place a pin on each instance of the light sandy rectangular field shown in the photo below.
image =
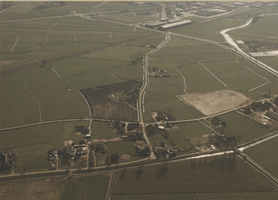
(214, 102)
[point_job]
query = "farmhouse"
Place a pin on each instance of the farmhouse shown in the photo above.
(162, 75)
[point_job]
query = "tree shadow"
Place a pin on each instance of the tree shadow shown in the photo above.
(161, 171)
(139, 172)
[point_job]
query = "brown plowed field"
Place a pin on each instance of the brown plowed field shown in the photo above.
(103, 106)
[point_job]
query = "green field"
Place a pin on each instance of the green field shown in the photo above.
(15, 112)
(156, 197)
(265, 154)
(88, 187)
(217, 174)
(241, 196)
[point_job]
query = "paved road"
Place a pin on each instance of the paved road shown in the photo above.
(145, 72)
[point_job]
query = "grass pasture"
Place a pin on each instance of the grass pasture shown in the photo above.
(270, 61)
(234, 75)
(79, 65)
(241, 196)
(118, 53)
(100, 130)
(15, 112)
(38, 188)
(242, 128)
(87, 187)
(94, 78)
(156, 197)
(264, 28)
(12, 63)
(265, 154)
(56, 101)
(217, 174)
(209, 30)
(198, 79)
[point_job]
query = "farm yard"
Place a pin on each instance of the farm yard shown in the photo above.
(126, 111)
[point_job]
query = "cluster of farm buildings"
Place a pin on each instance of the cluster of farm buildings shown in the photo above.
(164, 24)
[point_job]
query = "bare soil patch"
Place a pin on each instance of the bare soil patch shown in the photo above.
(105, 107)
(214, 102)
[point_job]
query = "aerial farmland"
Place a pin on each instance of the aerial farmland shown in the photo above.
(138, 100)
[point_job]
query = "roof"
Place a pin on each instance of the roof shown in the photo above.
(272, 115)
(174, 20)
(155, 23)
(176, 24)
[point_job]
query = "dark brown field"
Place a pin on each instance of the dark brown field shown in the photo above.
(105, 104)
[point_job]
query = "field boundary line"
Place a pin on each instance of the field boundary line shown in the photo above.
(130, 105)
(40, 109)
(259, 86)
(14, 44)
(54, 71)
(213, 75)
(253, 71)
(183, 100)
(112, 184)
(43, 122)
(185, 87)
(90, 112)
(206, 125)
(111, 73)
